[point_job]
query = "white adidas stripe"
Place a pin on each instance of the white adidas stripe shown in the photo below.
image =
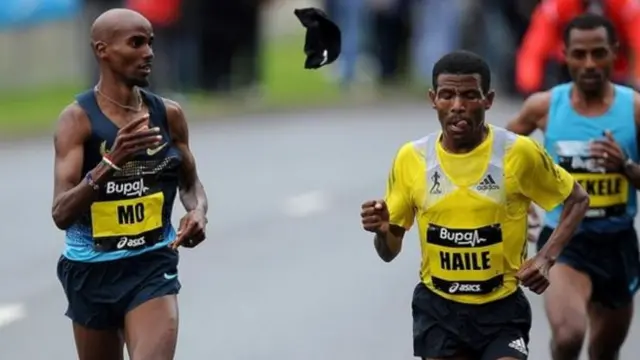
(520, 346)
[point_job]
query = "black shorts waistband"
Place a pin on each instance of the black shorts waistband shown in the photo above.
(422, 290)
(592, 237)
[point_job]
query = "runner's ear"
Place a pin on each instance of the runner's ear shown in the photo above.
(323, 40)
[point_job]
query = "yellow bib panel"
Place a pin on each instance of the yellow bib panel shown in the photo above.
(130, 217)
(464, 254)
(608, 192)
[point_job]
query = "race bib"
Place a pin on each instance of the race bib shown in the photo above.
(604, 190)
(125, 218)
(466, 261)
(608, 192)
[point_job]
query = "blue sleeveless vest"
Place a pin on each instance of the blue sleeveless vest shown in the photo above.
(133, 209)
(613, 199)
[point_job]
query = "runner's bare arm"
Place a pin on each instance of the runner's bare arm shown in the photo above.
(532, 116)
(192, 192)
(574, 209)
(398, 212)
(71, 195)
(548, 185)
(632, 170)
(389, 243)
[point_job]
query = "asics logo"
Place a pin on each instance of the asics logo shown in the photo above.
(131, 243)
(465, 288)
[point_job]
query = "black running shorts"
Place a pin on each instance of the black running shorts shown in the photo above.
(611, 260)
(443, 328)
(100, 294)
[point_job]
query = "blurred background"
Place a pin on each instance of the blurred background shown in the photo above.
(246, 54)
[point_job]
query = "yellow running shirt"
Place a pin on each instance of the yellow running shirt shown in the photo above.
(471, 209)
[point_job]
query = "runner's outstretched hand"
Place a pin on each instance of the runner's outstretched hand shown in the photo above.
(191, 231)
(534, 273)
(375, 216)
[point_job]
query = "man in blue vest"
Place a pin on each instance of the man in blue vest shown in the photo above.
(122, 156)
(591, 130)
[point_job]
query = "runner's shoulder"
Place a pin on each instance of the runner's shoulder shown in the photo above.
(174, 109)
(73, 123)
(72, 111)
(176, 120)
(414, 149)
(525, 151)
(408, 155)
(537, 103)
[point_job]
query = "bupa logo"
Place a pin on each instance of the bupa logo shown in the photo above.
(136, 188)
(464, 288)
(466, 238)
(131, 243)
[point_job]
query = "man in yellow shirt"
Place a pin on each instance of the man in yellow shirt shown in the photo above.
(469, 188)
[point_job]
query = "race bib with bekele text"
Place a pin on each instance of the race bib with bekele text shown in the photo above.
(608, 192)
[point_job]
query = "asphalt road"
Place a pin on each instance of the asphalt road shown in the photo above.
(287, 272)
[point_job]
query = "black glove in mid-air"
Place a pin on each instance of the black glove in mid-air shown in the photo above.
(322, 43)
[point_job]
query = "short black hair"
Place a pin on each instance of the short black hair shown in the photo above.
(462, 62)
(589, 21)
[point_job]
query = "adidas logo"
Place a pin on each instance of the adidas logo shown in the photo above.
(487, 184)
(520, 346)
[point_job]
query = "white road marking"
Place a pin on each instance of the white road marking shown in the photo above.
(10, 313)
(306, 204)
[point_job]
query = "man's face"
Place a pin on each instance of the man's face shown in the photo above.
(590, 58)
(461, 104)
(129, 53)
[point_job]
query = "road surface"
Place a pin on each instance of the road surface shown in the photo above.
(287, 273)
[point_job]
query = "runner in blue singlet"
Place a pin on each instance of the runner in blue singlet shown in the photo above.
(591, 130)
(121, 157)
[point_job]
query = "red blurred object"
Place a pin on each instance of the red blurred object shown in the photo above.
(543, 40)
(159, 12)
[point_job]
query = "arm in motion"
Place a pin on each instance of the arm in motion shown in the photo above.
(574, 210)
(398, 212)
(389, 243)
(632, 169)
(548, 185)
(532, 116)
(71, 195)
(192, 193)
